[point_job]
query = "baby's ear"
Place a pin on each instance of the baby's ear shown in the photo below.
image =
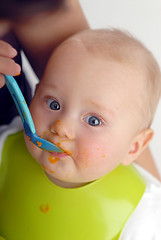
(139, 143)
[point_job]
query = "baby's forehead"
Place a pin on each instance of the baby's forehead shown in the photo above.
(75, 45)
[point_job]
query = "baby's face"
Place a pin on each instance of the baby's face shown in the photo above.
(83, 105)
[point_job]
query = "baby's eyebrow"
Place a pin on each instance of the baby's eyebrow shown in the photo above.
(51, 85)
(97, 105)
(101, 107)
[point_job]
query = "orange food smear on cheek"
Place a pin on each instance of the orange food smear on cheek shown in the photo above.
(103, 155)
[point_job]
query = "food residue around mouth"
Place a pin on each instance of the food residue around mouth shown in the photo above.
(53, 159)
(58, 122)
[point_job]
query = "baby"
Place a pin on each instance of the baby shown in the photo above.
(96, 102)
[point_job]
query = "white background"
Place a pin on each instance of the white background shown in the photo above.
(143, 19)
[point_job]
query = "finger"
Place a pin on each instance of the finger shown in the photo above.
(9, 67)
(2, 81)
(6, 50)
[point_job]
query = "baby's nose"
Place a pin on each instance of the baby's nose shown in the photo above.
(62, 129)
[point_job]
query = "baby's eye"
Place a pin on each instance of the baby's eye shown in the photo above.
(53, 104)
(93, 120)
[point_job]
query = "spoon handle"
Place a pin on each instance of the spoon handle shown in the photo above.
(20, 103)
(26, 116)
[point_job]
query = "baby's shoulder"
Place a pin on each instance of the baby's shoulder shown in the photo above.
(145, 221)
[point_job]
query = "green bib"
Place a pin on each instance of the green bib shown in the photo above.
(32, 207)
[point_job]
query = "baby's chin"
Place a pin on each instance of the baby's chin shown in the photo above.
(64, 183)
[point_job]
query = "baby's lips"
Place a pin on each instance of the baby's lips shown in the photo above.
(59, 155)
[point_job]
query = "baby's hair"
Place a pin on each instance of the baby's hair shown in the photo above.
(121, 46)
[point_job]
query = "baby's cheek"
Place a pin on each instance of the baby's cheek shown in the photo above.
(92, 155)
(32, 148)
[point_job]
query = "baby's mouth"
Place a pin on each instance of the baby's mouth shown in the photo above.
(59, 155)
(64, 153)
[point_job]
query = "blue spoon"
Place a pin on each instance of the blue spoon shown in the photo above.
(26, 116)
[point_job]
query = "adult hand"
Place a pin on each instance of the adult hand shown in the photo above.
(7, 64)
